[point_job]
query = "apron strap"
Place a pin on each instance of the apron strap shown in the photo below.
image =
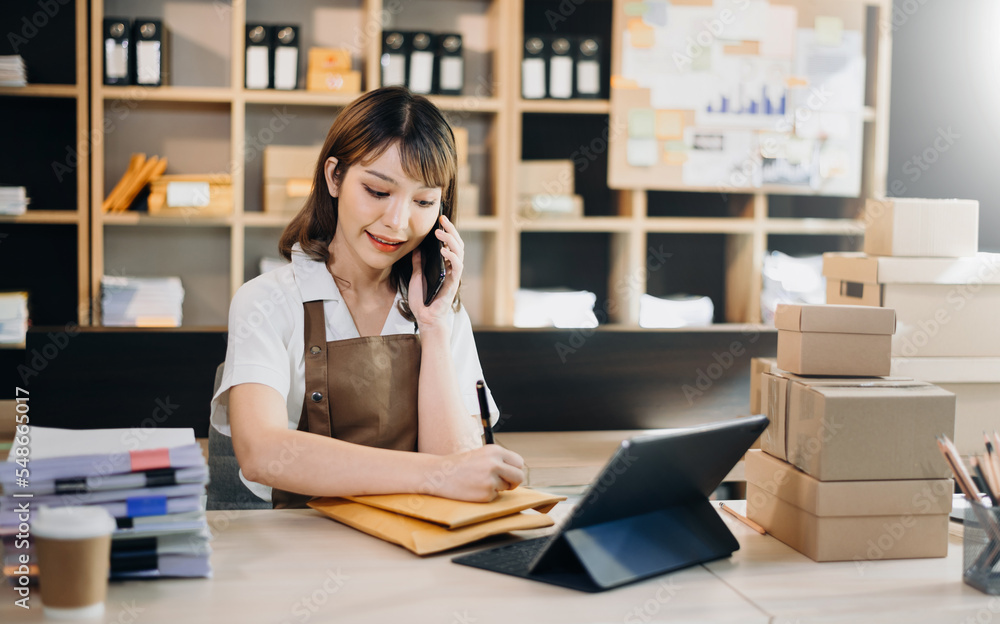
(316, 401)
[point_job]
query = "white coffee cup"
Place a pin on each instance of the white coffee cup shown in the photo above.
(73, 545)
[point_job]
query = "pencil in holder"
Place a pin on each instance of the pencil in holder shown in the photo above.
(981, 548)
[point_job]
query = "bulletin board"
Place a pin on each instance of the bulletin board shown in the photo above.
(738, 96)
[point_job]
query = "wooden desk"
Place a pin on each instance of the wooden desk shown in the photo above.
(298, 566)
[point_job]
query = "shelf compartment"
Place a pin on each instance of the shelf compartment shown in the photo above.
(688, 264)
(42, 259)
(574, 260)
(47, 164)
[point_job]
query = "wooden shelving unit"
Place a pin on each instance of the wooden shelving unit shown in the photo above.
(73, 156)
(215, 126)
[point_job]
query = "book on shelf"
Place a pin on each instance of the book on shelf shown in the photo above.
(13, 200)
(13, 72)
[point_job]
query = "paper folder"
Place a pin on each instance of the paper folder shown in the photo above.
(454, 514)
(391, 517)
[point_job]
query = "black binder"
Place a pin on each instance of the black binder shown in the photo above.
(560, 67)
(117, 34)
(646, 514)
(286, 57)
(449, 67)
(259, 57)
(395, 50)
(148, 52)
(420, 75)
(587, 53)
(534, 83)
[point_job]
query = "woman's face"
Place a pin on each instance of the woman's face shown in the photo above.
(382, 213)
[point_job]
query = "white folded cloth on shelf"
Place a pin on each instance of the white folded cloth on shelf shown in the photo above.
(142, 301)
(790, 280)
(554, 308)
(675, 311)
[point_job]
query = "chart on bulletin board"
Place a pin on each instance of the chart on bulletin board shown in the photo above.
(738, 96)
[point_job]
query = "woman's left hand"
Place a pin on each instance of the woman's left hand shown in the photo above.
(453, 253)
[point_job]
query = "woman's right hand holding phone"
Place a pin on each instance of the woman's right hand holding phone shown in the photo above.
(478, 475)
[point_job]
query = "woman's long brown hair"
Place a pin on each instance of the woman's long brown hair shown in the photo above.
(362, 132)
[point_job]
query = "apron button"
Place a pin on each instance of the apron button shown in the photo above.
(317, 396)
(314, 350)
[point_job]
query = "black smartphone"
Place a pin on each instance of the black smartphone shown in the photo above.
(434, 271)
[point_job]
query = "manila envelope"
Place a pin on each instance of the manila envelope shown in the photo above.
(418, 536)
(454, 514)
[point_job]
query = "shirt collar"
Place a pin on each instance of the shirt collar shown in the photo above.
(313, 279)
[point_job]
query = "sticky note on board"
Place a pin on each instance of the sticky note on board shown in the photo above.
(641, 123)
(656, 14)
(641, 34)
(641, 152)
(635, 9)
(674, 153)
(829, 30)
(669, 124)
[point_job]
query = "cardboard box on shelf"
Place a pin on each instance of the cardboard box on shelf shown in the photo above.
(288, 174)
(343, 81)
(945, 307)
(191, 196)
(848, 520)
(461, 145)
(468, 201)
(329, 59)
(975, 382)
(857, 429)
(550, 206)
(834, 339)
(899, 226)
(545, 177)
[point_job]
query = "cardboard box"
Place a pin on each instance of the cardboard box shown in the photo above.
(191, 196)
(288, 174)
(329, 60)
(758, 366)
(857, 429)
(346, 81)
(468, 201)
(922, 227)
(545, 177)
(945, 307)
(975, 382)
(461, 145)
(550, 206)
(834, 339)
(848, 520)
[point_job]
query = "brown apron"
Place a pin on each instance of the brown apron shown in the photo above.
(360, 390)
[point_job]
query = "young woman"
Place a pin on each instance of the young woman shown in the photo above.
(336, 370)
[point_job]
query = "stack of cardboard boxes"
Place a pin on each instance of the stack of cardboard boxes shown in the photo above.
(848, 468)
(921, 260)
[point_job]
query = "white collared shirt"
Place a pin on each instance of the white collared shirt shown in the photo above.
(267, 340)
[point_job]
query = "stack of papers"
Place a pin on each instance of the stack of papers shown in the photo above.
(554, 308)
(12, 71)
(675, 311)
(142, 301)
(13, 200)
(790, 280)
(13, 318)
(151, 481)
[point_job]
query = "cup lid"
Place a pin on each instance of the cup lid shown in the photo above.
(80, 522)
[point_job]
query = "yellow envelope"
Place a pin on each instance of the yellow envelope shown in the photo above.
(418, 536)
(453, 513)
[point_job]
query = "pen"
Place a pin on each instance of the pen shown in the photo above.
(747, 521)
(484, 411)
